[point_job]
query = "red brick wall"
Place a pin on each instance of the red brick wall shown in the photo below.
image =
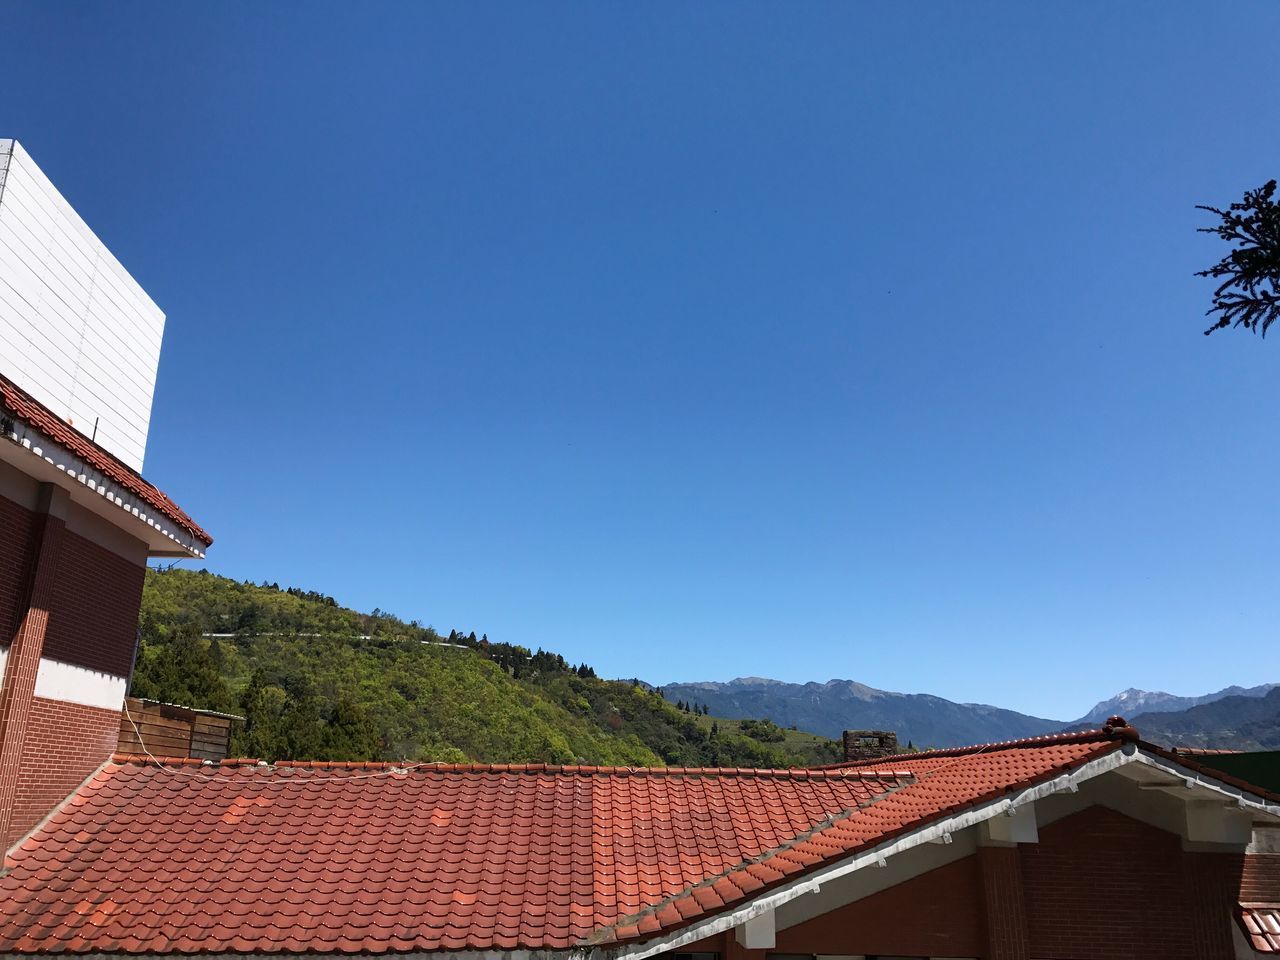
(16, 525)
(1213, 887)
(939, 914)
(93, 621)
(1260, 880)
(92, 598)
(1103, 886)
(65, 743)
(1004, 900)
(1098, 886)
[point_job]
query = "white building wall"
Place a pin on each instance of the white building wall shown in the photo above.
(76, 330)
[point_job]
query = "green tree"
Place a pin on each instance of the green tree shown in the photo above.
(314, 688)
(181, 670)
(350, 733)
(282, 718)
(1249, 295)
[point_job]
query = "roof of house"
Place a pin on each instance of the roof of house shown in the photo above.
(176, 856)
(1204, 751)
(33, 413)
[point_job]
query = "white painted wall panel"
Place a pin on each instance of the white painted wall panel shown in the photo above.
(76, 330)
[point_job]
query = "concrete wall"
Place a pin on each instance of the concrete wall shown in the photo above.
(76, 330)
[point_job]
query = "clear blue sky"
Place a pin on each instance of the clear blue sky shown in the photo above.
(705, 340)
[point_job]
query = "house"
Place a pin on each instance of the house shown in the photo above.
(1080, 845)
(1083, 845)
(79, 348)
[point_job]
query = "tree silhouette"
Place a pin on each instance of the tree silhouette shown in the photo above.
(1249, 295)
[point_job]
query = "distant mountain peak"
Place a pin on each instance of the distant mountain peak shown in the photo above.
(828, 707)
(1133, 701)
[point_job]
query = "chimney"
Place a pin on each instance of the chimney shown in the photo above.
(869, 744)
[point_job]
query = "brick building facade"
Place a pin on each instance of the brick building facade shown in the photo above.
(77, 519)
(72, 560)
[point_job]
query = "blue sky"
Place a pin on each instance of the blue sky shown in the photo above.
(704, 340)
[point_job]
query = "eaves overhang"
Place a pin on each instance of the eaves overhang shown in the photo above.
(44, 459)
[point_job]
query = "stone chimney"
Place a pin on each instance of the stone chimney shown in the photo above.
(869, 744)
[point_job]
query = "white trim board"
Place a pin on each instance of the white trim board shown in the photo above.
(68, 683)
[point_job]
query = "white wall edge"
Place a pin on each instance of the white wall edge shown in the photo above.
(69, 683)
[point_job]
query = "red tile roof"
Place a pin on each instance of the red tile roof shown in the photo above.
(945, 783)
(22, 406)
(1203, 751)
(1261, 924)
(351, 858)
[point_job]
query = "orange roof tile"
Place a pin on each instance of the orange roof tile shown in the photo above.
(347, 858)
(1261, 923)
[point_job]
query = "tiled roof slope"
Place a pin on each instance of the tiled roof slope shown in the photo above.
(32, 412)
(945, 783)
(332, 859)
(155, 859)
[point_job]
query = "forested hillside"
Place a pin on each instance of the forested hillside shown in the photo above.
(315, 680)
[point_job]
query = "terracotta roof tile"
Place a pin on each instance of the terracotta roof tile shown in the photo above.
(1261, 923)
(376, 858)
(1203, 751)
(33, 413)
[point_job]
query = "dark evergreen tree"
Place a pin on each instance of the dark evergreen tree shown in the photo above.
(181, 670)
(1249, 295)
(350, 734)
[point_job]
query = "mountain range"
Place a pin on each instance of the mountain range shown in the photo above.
(1131, 702)
(1243, 722)
(317, 680)
(1237, 717)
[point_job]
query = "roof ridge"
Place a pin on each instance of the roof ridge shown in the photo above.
(1070, 736)
(797, 773)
